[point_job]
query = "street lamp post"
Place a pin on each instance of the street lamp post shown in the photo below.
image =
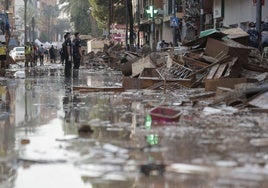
(174, 28)
(201, 15)
(126, 38)
(25, 20)
(109, 16)
(258, 19)
(138, 17)
(33, 27)
(153, 25)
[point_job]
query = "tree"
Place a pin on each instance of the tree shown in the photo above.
(78, 11)
(100, 10)
(104, 13)
(61, 26)
(49, 19)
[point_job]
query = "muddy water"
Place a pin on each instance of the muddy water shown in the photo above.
(52, 136)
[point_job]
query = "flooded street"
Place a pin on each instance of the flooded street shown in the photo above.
(54, 136)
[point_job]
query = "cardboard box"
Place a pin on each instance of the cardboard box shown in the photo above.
(229, 47)
(238, 35)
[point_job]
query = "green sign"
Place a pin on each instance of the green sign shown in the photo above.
(151, 11)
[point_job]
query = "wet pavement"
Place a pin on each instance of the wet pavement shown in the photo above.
(52, 136)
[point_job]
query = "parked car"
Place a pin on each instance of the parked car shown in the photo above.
(18, 54)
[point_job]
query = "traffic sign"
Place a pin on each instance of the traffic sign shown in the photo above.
(174, 22)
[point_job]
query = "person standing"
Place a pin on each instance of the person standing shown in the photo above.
(264, 34)
(28, 54)
(52, 54)
(67, 50)
(41, 52)
(61, 56)
(35, 54)
(77, 54)
(253, 35)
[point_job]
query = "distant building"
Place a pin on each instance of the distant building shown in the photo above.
(217, 14)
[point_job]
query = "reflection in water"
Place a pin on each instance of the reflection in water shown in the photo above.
(152, 139)
(148, 122)
(7, 138)
(70, 103)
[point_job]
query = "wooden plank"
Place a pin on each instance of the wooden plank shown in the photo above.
(230, 67)
(194, 62)
(260, 101)
(212, 72)
(254, 67)
(211, 85)
(220, 70)
(156, 85)
(97, 89)
(139, 65)
(222, 60)
(136, 83)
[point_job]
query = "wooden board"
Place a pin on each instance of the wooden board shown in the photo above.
(221, 70)
(212, 71)
(211, 85)
(97, 89)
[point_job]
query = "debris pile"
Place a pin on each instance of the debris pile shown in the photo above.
(219, 61)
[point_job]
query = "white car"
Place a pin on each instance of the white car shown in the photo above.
(18, 53)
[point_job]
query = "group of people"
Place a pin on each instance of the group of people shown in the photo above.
(34, 52)
(163, 45)
(71, 52)
(256, 39)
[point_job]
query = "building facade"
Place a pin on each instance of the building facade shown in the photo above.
(215, 14)
(239, 13)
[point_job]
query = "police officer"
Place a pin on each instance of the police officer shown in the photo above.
(77, 53)
(67, 50)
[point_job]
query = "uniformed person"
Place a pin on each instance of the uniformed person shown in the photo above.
(77, 53)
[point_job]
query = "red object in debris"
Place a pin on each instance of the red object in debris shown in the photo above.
(163, 115)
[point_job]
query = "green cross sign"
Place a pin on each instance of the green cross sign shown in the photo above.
(151, 11)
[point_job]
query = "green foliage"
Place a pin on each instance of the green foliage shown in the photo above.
(78, 10)
(100, 11)
(80, 16)
(48, 21)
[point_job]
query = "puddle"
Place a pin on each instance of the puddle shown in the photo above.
(49, 132)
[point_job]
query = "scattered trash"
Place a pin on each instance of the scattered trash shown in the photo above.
(162, 115)
(25, 141)
(223, 110)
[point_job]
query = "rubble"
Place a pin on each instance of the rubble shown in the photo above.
(217, 61)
